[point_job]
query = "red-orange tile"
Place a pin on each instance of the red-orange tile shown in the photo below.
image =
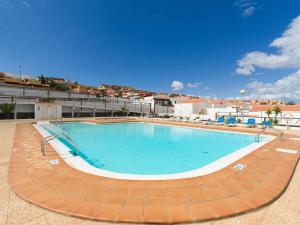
(201, 212)
(108, 212)
(155, 214)
(87, 209)
(198, 193)
(179, 213)
(131, 213)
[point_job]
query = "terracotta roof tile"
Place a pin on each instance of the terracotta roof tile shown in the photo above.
(289, 108)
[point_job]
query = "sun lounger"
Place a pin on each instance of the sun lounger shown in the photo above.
(231, 122)
(250, 123)
(220, 120)
(267, 124)
(209, 122)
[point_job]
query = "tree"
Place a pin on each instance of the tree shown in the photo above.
(269, 112)
(276, 111)
(62, 87)
(7, 109)
(59, 87)
(43, 79)
(123, 112)
(52, 84)
(203, 111)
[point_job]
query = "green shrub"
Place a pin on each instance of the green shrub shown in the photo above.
(7, 109)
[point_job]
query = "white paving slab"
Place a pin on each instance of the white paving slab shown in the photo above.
(285, 150)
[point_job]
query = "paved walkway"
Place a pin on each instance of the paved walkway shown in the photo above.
(14, 210)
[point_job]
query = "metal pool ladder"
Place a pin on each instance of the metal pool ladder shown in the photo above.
(59, 124)
(51, 137)
(280, 132)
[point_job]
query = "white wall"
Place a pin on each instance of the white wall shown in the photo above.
(295, 121)
(149, 100)
(192, 110)
(212, 112)
(48, 111)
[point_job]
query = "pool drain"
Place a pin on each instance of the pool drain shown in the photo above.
(239, 166)
(54, 161)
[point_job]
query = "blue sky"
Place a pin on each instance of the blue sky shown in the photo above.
(150, 44)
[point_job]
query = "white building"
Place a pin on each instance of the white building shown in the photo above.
(203, 108)
(179, 99)
(159, 103)
(288, 111)
(48, 111)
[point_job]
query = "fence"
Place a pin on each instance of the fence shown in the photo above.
(27, 95)
(294, 122)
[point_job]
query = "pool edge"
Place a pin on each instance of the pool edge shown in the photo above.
(80, 164)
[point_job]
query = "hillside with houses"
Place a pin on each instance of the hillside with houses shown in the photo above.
(78, 100)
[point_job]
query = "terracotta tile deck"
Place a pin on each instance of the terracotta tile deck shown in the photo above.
(224, 193)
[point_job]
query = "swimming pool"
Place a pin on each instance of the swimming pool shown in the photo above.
(150, 151)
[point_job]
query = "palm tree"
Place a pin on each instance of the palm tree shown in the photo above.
(125, 111)
(203, 111)
(43, 79)
(269, 112)
(276, 110)
(7, 108)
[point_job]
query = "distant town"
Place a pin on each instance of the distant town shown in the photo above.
(111, 90)
(61, 84)
(72, 99)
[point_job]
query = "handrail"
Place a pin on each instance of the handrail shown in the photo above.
(274, 129)
(59, 124)
(51, 137)
(280, 132)
(65, 129)
(260, 133)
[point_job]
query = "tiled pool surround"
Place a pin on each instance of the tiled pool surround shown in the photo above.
(226, 192)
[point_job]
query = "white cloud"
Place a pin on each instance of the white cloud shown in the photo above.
(26, 4)
(284, 88)
(287, 56)
(246, 7)
(193, 85)
(248, 11)
(177, 85)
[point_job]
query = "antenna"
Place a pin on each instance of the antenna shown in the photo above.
(20, 71)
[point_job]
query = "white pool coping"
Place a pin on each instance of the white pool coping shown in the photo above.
(80, 164)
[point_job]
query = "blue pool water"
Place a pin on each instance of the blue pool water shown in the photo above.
(148, 149)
